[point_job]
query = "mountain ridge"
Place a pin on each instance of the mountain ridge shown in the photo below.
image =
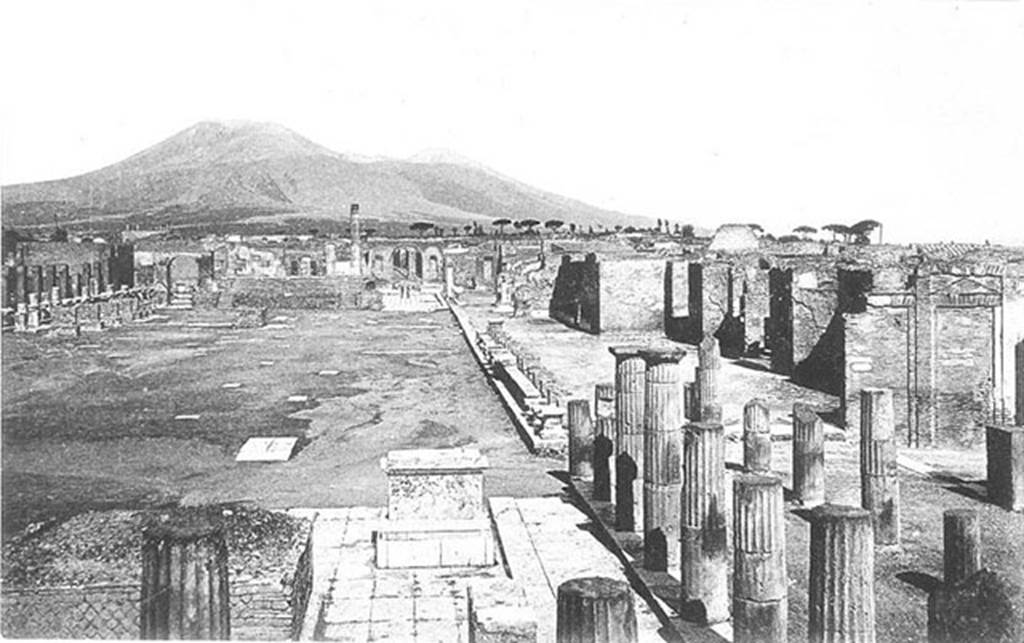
(217, 166)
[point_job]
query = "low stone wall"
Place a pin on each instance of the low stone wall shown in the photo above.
(318, 293)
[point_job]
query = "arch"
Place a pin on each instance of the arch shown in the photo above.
(183, 272)
(433, 264)
(418, 263)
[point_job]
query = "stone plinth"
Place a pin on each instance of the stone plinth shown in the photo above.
(436, 515)
(1005, 446)
(879, 475)
(705, 549)
(808, 456)
(757, 437)
(841, 602)
(663, 417)
(759, 604)
(629, 437)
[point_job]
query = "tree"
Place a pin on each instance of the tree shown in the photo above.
(553, 224)
(687, 231)
(467, 228)
(862, 230)
(501, 223)
(572, 228)
(529, 224)
(838, 229)
(421, 227)
(618, 228)
(629, 229)
(805, 230)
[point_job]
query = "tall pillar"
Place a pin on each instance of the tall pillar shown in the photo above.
(38, 285)
(1019, 370)
(710, 364)
(757, 437)
(604, 400)
(879, 475)
(629, 437)
(705, 550)
(595, 610)
(961, 544)
(64, 278)
(663, 417)
(449, 280)
(20, 285)
(604, 465)
(354, 221)
(581, 440)
(841, 605)
(759, 603)
(808, 456)
(185, 592)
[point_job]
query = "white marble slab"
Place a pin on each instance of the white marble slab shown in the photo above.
(266, 450)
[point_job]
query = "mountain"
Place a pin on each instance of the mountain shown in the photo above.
(220, 172)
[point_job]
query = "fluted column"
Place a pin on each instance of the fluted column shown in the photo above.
(879, 476)
(710, 364)
(759, 603)
(629, 437)
(1019, 371)
(757, 437)
(808, 456)
(581, 440)
(961, 544)
(604, 441)
(663, 419)
(705, 562)
(595, 610)
(691, 405)
(841, 605)
(185, 591)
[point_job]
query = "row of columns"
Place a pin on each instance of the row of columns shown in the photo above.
(667, 478)
(56, 282)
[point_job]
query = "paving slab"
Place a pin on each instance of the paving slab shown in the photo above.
(266, 450)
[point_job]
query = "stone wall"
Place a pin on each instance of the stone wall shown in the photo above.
(632, 294)
(575, 298)
(944, 344)
(333, 293)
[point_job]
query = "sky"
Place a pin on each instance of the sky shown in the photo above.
(704, 112)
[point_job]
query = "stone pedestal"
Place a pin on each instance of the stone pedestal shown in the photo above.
(961, 544)
(663, 418)
(32, 322)
(710, 364)
(436, 513)
(185, 591)
(757, 437)
(629, 437)
(879, 475)
(808, 456)
(581, 440)
(759, 603)
(841, 605)
(1005, 447)
(595, 610)
(705, 549)
(21, 317)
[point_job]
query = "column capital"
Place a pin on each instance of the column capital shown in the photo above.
(662, 355)
(625, 351)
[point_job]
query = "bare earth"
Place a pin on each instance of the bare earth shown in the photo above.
(88, 423)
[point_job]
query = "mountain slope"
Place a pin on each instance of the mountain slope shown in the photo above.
(225, 170)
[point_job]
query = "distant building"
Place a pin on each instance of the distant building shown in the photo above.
(734, 237)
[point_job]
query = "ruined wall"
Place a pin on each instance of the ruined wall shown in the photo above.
(575, 297)
(335, 293)
(631, 294)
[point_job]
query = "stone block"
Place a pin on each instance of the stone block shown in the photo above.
(435, 484)
(1005, 446)
(435, 543)
(266, 450)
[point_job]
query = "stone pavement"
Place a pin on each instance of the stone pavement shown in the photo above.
(545, 541)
